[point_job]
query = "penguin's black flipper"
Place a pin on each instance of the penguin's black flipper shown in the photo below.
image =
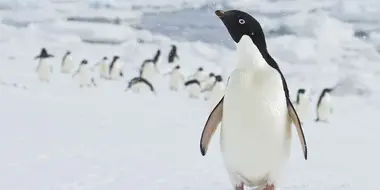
(211, 125)
(297, 123)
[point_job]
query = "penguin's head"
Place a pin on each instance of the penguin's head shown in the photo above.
(173, 46)
(328, 90)
(68, 52)
(211, 74)
(218, 78)
(200, 69)
(105, 58)
(177, 67)
(84, 62)
(241, 25)
(116, 57)
(301, 91)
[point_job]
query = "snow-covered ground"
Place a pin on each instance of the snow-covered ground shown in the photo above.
(59, 137)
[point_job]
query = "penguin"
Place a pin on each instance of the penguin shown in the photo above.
(84, 75)
(302, 104)
(255, 112)
(193, 87)
(173, 56)
(103, 68)
(44, 68)
(138, 83)
(176, 78)
(155, 58)
(324, 107)
(208, 84)
(115, 68)
(67, 63)
(199, 74)
(148, 70)
(216, 92)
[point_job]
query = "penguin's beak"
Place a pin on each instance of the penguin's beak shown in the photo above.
(219, 13)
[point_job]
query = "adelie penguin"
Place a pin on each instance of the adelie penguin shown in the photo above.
(302, 103)
(67, 65)
(44, 68)
(84, 75)
(324, 106)
(193, 88)
(176, 78)
(208, 83)
(139, 83)
(199, 74)
(216, 92)
(173, 56)
(255, 113)
(103, 68)
(148, 69)
(115, 68)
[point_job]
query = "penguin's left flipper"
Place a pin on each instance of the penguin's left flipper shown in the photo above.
(297, 123)
(211, 125)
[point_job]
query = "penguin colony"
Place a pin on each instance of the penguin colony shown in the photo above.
(255, 112)
(253, 108)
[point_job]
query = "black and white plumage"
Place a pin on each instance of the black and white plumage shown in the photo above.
(84, 75)
(302, 103)
(324, 106)
(44, 69)
(103, 68)
(139, 83)
(255, 113)
(193, 87)
(176, 78)
(173, 55)
(67, 65)
(115, 68)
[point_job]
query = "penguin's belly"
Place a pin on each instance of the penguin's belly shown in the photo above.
(255, 135)
(84, 78)
(44, 71)
(67, 66)
(175, 81)
(324, 109)
(149, 72)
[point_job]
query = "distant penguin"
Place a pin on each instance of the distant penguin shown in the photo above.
(84, 74)
(115, 68)
(217, 91)
(193, 87)
(199, 74)
(176, 79)
(67, 65)
(148, 70)
(103, 68)
(173, 54)
(302, 104)
(44, 68)
(208, 83)
(324, 106)
(139, 83)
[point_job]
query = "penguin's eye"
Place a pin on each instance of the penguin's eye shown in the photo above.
(241, 21)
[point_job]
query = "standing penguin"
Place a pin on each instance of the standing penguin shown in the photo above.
(115, 71)
(148, 70)
(302, 104)
(255, 113)
(208, 83)
(44, 68)
(84, 74)
(176, 78)
(216, 92)
(199, 74)
(103, 68)
(67, 63)
(193, 87)
(139, 83)
(173, 54)
(324, 107)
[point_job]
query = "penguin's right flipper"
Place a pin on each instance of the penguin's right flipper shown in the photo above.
(211, 125)
(295, 119)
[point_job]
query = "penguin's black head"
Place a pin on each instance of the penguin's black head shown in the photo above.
(218, 78)
(105, 58)
(211, 74)
(239, 23)
(43, 51)
(177, 67)
(200, 69)
(68, 52)
(328, 90)
(301, 91)
(174, 46)
(116, 57)
(84, 62)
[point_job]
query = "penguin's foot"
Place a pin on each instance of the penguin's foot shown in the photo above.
(269, 187)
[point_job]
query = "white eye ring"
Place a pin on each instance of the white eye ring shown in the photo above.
(241, 21)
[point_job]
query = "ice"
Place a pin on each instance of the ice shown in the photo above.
(58, 136)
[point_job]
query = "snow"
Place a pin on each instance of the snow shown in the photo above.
(59, 137)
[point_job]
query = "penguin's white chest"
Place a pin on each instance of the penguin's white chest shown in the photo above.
(324, 108)
(175, 80)
(67, 65)
(84, 76)
(149, 71)
(103, 69)
(44, 70)
(255, 135)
